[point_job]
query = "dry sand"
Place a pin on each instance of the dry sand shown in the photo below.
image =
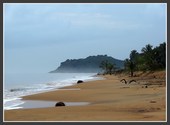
(110, 100)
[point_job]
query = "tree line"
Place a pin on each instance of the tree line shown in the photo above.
(108, 67)
(149, 59)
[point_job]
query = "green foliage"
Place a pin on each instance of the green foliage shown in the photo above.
(104, 64)
(154, 58)
(131, 64)
(149, 59)
(107, 66)
(148, 56)
(160, 55)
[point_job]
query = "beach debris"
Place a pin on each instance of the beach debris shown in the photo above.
(152, 101)
(141, 110)
(135, 75)
(59, 104)
(79, 81)
(124, 87)
(132, 81)
(144, 86)
(124, 81)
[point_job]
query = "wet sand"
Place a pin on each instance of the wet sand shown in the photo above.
(110, 100)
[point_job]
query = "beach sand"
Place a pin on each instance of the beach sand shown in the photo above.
(110, 100)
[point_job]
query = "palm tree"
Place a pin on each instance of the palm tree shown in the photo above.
(126, 64)
(132, 62)
(104, 65)
(147, 48)
(110, 68)
(148, 56)
(107, 66)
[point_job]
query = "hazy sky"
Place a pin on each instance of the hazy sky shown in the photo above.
(37, 37)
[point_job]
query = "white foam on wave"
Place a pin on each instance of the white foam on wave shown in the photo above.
(29, 104)
(12, 103)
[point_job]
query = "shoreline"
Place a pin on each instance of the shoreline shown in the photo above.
(18, 100)
(67, 87)
(115, 100)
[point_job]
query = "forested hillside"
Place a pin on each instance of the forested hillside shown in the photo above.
(89, 64)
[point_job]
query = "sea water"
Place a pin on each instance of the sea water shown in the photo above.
(18, 85)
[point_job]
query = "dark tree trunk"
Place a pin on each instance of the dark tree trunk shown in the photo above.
(131, 68)
(131, 73)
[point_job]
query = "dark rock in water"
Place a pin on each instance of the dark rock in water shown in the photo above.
(59, 104)
(12, 90)
(79, 81)
(17, 89)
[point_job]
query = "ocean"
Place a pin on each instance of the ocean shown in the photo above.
(18, 85)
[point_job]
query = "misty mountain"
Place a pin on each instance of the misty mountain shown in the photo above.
(87, 65)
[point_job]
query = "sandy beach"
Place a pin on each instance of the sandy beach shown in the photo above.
(144, 99)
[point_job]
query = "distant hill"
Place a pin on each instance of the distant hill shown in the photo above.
(88, 65)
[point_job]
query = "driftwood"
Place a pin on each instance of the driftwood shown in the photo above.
(124, 81)
(152, 101)
(132, 81)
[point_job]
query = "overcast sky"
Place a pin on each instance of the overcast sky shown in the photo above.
(38, 37)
